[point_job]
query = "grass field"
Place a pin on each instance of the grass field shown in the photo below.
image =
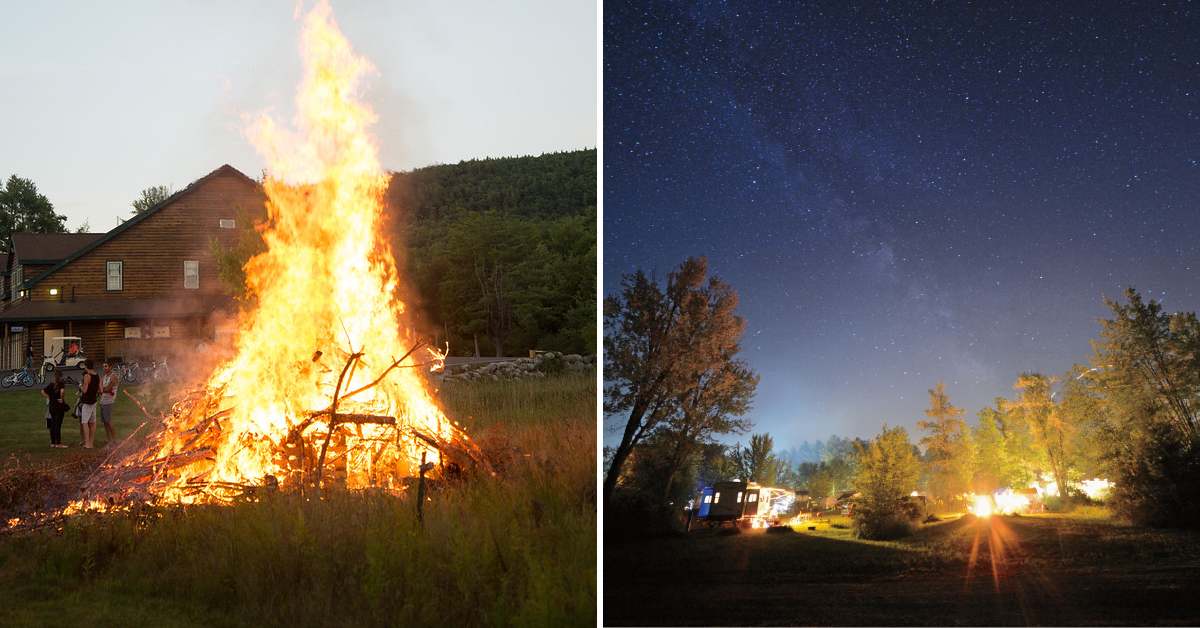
(515, 549)
(1073, 569)
(23, 429)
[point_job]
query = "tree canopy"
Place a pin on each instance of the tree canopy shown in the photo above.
(150, 197)
(887, 471)
(500, 254)
(24, 208)
(670, 351)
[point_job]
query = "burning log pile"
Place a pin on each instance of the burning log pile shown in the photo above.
(332, 446)
(323, 389)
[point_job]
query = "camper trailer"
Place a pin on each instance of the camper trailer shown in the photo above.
(744, 504)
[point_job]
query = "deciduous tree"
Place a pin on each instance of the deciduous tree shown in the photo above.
(887, 471)
(658, 342)
(150, 197)
(24, 208)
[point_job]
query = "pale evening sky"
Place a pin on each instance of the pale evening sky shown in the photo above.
(102, 100)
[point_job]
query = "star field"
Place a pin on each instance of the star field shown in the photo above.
(907, 193)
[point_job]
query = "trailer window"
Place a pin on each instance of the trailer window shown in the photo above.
(739, 497)
(752, 497)
(717, 498)
(708, 499)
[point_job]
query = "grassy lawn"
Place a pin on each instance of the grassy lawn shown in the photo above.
(515, 549)
(23, 431)
(1046, 570)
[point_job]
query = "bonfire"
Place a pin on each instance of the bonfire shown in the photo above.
(344, 400)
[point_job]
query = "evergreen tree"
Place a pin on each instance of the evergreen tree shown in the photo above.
(948, 446)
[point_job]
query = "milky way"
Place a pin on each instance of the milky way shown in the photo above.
(905, 194)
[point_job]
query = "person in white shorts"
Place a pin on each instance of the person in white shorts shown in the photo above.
(108, 396)
(88, 396)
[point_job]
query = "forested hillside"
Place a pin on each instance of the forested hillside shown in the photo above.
(500, 253)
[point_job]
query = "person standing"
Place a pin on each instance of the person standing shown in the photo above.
(90, 393)
(56, 407)
(108, 395)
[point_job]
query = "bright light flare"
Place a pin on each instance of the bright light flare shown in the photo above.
(1008, 502)
(1096, 488)
(981, 506)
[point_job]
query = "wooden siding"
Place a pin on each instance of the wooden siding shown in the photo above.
(154, 250)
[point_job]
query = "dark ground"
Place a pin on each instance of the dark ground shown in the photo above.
(1045, 569)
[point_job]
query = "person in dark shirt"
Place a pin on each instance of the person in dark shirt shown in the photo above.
(56, 407)
(89, 394)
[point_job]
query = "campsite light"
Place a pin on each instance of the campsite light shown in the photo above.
(982, 506)
(54, 292)
(1096, 488)
(1008, 502)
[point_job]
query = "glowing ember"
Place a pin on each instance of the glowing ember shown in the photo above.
(326, 330)
(981, 506)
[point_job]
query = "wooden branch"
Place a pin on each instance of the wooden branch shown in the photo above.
(381, 375)
(360, 419)
(139, 404)
(354, 357)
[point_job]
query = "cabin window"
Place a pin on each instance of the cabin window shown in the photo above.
(116, 275)
(708, 499)
(717, 498)
(133, 332)
(161, 332)
(191, 274)
(752, 497)
(227, 223)
(739, 499)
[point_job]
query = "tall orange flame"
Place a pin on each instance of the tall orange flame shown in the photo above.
(326, 283)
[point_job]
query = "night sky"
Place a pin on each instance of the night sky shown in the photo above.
(908, 193)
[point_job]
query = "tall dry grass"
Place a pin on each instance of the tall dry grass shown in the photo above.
(518, 548)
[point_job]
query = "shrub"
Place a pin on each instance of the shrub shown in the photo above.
(887, 470)
(883, 525)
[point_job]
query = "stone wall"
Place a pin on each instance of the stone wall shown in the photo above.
(549, 363)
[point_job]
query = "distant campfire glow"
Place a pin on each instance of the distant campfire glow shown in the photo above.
(981, 506)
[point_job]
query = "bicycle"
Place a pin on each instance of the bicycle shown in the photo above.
(130, 372)
(18, 376)
(160, 371)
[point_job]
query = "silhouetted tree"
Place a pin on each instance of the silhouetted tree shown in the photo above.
(23, 208)
(658, 343)
(150, 197)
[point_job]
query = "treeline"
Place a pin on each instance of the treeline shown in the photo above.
(500, 253)
(1128, 417)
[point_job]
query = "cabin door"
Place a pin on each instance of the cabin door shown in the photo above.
(52, 343)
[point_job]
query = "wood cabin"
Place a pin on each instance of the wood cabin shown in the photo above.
(146, 289)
